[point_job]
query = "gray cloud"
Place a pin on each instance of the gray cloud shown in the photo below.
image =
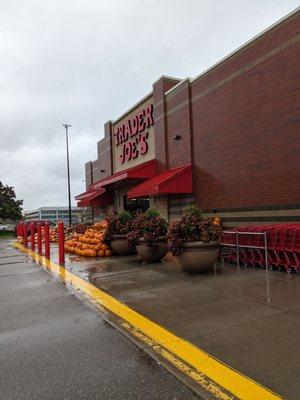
(85, 62)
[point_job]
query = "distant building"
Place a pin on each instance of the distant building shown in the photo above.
(54, 214)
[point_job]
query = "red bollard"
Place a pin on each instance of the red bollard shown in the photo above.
(47, 240)
(61, 243)
(25, 234)
(39, 232)
(32, 236)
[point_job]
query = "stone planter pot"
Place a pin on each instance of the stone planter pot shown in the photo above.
(198, 257)
(145, 253)
(120, 245)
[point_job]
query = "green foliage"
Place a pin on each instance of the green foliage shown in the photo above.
(124, 217)
(192, 210)
(10, 208)
(151, 213)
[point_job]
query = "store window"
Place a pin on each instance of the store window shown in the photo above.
(138, 204)
(177, 204)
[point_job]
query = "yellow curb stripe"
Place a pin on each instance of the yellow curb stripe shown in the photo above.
(232, 381)
(197, 376)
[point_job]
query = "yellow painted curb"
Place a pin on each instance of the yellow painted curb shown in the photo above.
(204, 369)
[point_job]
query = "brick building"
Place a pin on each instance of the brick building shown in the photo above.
(228, 138)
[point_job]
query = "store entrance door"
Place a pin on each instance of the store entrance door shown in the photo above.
(138, 204)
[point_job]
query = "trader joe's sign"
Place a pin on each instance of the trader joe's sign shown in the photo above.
(133, 137)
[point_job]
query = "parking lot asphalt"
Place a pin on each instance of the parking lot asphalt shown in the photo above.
(52, 346)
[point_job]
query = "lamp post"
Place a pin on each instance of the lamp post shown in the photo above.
(67, 126)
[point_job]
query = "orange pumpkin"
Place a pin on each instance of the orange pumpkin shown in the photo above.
(101, 253)
(217, 221)
(107, 253)
(86, 253)
(104, 247)
(93, 253)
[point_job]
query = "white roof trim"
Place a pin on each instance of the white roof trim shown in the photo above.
(172, 78)
(178, 84)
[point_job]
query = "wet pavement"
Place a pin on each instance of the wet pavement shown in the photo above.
(247, 318)
(52, 346)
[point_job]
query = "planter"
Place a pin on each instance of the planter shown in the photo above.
(198, 256)
(120, 245)
(145, 253)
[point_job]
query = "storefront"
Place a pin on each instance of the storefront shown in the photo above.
(227, 139)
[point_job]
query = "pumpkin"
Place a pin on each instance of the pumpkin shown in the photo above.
(101, 253)
(104, 247)
(107, 253)
(93, 253)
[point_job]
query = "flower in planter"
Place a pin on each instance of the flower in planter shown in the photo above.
(190, 228)
(118, 224)
(149, 226)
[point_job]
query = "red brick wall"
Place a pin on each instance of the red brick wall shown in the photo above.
(160, 87)
(104, 160)
(245, 126)
(178, 123)
(88, 174)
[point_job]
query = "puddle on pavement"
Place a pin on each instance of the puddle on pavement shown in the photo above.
(98, 268)
(73, 259)
(90, 274)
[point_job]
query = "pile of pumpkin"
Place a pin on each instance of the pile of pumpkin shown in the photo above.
(53, 234)
(89, 244)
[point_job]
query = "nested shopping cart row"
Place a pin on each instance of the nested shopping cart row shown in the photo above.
(277, 246)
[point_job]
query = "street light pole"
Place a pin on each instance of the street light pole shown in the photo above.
(67, 126)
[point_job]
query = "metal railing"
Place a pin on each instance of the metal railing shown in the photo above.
(238, 246)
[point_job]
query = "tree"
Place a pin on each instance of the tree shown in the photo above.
(10, 208)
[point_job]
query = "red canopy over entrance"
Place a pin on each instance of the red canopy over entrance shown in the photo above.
(99, 197)
(86, 194)
(141, 171)
(174, 181)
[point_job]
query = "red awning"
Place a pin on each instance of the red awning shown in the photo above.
(86, 194)
(174, 181)
(94, 197)
(142, 171)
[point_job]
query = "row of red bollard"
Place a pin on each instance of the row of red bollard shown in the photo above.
(23, 231)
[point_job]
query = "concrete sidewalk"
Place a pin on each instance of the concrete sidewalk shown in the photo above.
(52, 346)
(248, 319)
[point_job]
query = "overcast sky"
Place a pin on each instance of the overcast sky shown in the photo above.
(85, 62)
